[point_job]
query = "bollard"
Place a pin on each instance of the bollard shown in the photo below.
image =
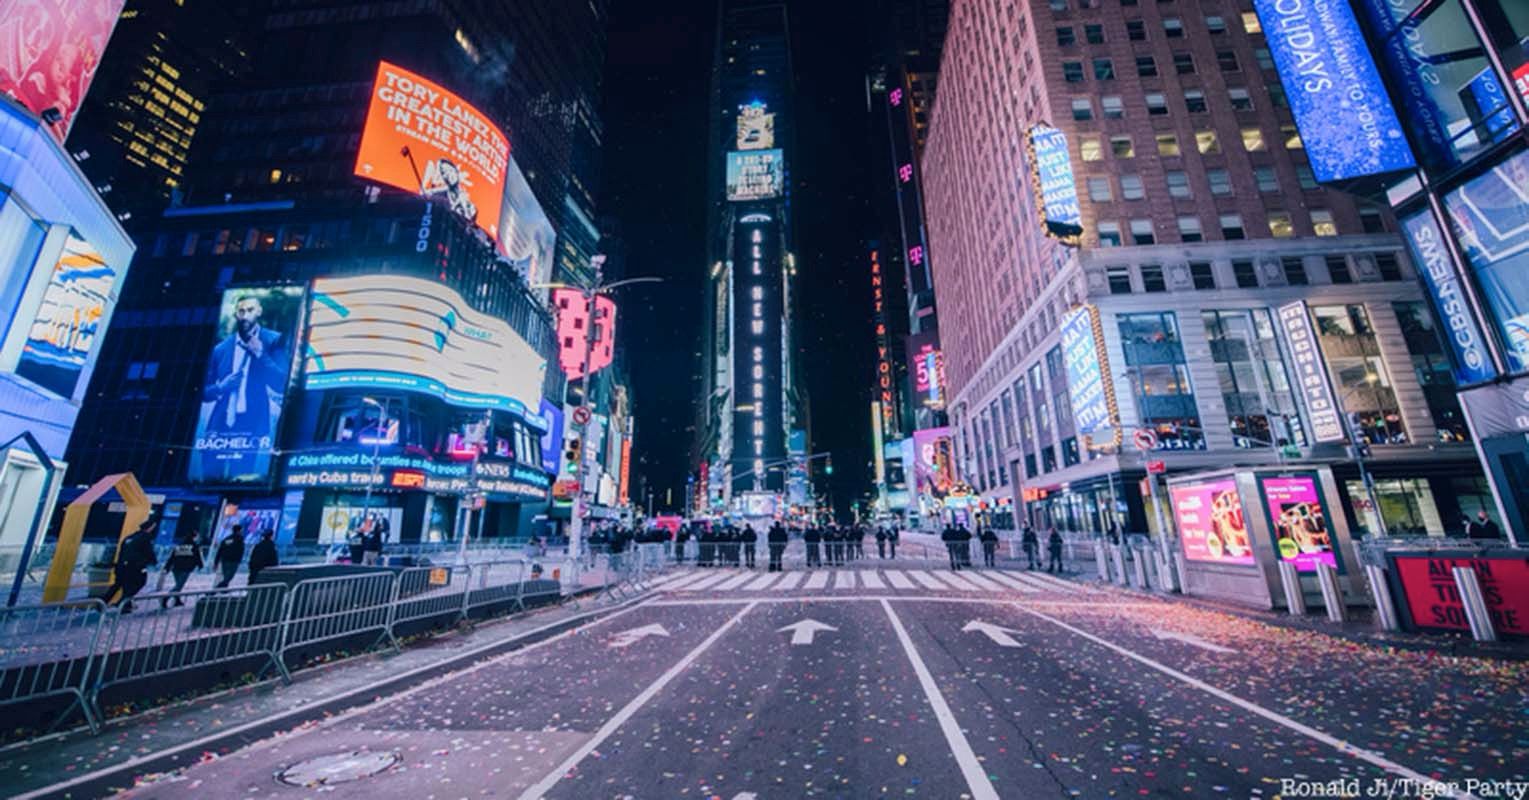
(1140, 569)
(1476, 612)
(1165, 572)
(1180, 570)
(1332, 593)
(1120, 566)
(1385, 607)
(1295, 599)
(1100, 561)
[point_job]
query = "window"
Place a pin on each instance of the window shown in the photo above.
(1178, 184)
(1371, 220)
(1231, 227)
(1094, 34)
(1167, 144)
(1337, 267)
(1206, 142)
(1072, 71)
(1264, 58)
(1058, 5)
(1089, 149)
(1322, 222)
(1291, 137)
(1253, 140)
(1122, 147)
(1433, 370)
(1184, 63)
(1277, 97)
(1388, 265)
(1189, 230)
(1146, 67)
(1304, 176)
(1280, 225)
(1295, 270)
(1131, 187)
(1202, 273)
(1246, 275)
(1194, 101)
(1120, 279)
(1099, 189)
(1215, 24)
(1266, 179)
(1227, 61)
(1173, 27)
(1109, 234)
(1065, 36)
(1104, 69)
(1220, 181)
(1241, 100)
(1255, 387)
(1152, 278)
(1359, 373)
(1249, 22)
(1082, 109)
(1136, 30)
(1159, 380)
(1157, 105)
(1141, 232)
(1112, 107)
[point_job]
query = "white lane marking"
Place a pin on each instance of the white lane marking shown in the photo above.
(1055, 583)
(998, 634)
(871, 579)
(669, 579)
(1191, 639)
(899, 580)
(763, 581)
(788, 582)
(982, 583)
(1008, 580)
(708, 582)
(1039, 586)
(976, 777)
(954, 580)
(734, 582)
(629, 637)
(630, 709)
(1368, 756)
(804, 631)
(927, 581)
(844, 579)
(695, 576)
(1081, 605)
(816, 580)
(745, 796)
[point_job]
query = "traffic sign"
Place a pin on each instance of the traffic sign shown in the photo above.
(1156, 467)
(581, 416)
(1144, 439)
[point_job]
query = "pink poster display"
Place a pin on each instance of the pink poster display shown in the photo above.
(1299, 521)
(49, 51)
(1211, 524)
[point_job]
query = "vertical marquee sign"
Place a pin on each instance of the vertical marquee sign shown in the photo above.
(1090, 389)
(1311, 373)
(1056, 192)
(885, 393)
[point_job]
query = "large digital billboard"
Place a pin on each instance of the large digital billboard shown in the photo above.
(934, 462)
(926, 368)
(756, 127)
(245, 384)
(49, 51)
(64, 332)
(1211, 524)
(1491, 221)
(525, 234)
(1298, 517)
(421, 138)
(409, 334)
(755, 175)
(572, 312)
(1056, 192)
(1088, 385)
(1472, 363)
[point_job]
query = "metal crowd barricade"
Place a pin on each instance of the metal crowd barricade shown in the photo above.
(52, 650)
(495, 582)
(431, 592)
(320, 609)
(218, 626)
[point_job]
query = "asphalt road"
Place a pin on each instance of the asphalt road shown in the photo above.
(737, 688)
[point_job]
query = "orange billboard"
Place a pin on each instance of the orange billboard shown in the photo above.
(453, 151)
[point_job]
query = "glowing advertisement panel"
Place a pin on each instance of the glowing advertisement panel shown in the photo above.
(1056, 192)
(934, 462)
(1490, 219)
(455, 152)
(1311, 373)
(756, 127)
(1340, 105)
(525, 234)
(64, 331)
(245, 385)
(552, 438)
(1210, 521)
(49, 51)
(392, 332)
(1298, 517)
(1086, 388)
(755, 175)
(1472, 364)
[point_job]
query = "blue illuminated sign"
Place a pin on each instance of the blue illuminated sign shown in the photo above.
(1085, 374)
(1346, 120)
(1056, 192)
(1472, 364)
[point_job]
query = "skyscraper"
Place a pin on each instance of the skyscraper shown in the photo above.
(753, 432)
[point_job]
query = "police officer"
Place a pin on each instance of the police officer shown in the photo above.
(750, 541)
(989, 547)
(881, 542)
(777, 539)
(813, 537)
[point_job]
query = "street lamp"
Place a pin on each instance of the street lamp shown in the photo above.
(382, 423)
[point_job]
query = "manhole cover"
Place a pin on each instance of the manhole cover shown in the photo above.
(337, 768)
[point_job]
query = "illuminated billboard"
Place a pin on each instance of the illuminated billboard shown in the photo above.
(408, 334)
(63, 333)
(926, 368)
(573, 334)
(49, 51)
(1055, 190)
(755, 175)
(934, 462)
(1089, 388)
(525, 234)
(1472, 363)
(245, 385)
(756, 127)
(421, 138)
(1211, 523)
(1322, 409)
(1491, 222)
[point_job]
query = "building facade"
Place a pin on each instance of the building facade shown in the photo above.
(1123, 216)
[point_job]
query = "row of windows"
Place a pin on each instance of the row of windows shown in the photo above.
(1205, 142)
(1290, 270)
(1146, 65)
(1112, 107)
(1173, 27)
(1143, 231)
(1136, 31)
(1100, 187)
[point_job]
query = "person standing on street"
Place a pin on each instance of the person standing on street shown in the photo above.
(371, 544)
(681, 538)
(134, 557)
(813, 538)
(751, 544)
(263, 555)
(1484, 528)
(1032, 546)
(881, 542)
(777, 540)
(185, 558)
(892, 535)
(949, 537)
(1054, 550)
(230, 555)
(989, 547)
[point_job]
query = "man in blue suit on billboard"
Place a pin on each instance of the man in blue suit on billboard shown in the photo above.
(246, 377)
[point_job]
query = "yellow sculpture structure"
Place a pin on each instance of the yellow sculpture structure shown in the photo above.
(60, 573)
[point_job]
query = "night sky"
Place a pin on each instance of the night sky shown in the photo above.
(655, 113)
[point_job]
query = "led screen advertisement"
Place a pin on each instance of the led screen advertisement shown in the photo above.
(1056, 192)
(1210, 521)
(49, 51)
(934, 462)
(926, 368)
(755, 175)
(1088, 390)
(64, 331)
(1491, 222)
(573, 333)
(525, 234)
(455, 152)
(756, 127)
(1472, 364)
(1299, 520)
(392, 332)
(552, 437)
(245, 384)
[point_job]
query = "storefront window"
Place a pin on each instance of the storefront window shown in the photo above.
(1359, 374)
(1260, 406)
(1431, 365)
(1154, 358)
(1491, 222)
(1406, 505)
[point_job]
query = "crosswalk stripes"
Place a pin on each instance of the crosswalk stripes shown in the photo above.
(734, 582)
(666, 580)
(926, 580)
(871, 579)
(687, 581)
(898, 580)
(788, 582)
(844, 580)
(710, 581)
(1058, 584)
(764, 580)
(954, 579)
(982, 583)
(939, 580)
(816, 580)
(1012, 582)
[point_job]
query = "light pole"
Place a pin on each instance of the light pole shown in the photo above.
(382, 424)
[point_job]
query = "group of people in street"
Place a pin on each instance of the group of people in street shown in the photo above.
(135, 555)
(1031, 544)
(367, 534)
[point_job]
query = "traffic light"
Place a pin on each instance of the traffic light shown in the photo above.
(571, 449)
(829, 467)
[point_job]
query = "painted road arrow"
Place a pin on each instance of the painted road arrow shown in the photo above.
(802, 632)
(1191, 639)
(625, 638)
(1000, 636)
